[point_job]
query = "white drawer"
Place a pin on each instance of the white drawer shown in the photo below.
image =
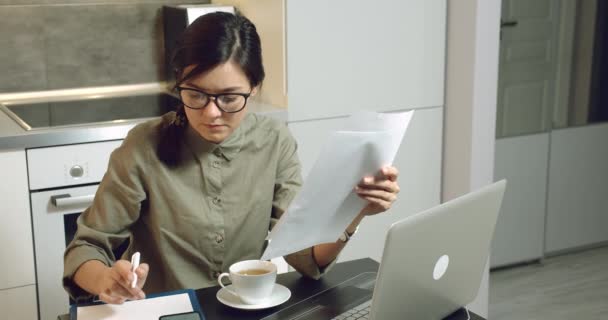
(69, 165)
(19, 303)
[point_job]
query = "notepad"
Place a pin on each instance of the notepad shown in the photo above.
(152, 307)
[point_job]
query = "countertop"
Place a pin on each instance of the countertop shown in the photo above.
(13, 136)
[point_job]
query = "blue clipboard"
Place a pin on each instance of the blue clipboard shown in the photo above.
(193, 300)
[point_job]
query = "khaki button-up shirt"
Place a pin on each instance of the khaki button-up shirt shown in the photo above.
(193, 221)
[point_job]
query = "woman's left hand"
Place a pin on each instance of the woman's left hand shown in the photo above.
(380, 190)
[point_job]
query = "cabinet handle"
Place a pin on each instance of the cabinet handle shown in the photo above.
(508, 23)
(66, 200)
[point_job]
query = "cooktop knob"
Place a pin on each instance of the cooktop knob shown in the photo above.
(76, 171)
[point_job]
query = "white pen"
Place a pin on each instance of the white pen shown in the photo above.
(134, 265)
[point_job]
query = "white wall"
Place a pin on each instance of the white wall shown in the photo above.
(470, 107)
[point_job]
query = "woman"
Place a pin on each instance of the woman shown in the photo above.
(198, 189)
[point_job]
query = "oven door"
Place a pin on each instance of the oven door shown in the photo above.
(54, 216)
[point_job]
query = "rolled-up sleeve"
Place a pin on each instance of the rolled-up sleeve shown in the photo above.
(104, 226)
(287, 185)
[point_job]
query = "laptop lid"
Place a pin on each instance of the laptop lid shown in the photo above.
(433, 261)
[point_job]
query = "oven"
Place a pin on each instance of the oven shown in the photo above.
(63, 181)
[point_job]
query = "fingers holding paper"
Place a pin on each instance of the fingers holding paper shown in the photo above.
(380, 190)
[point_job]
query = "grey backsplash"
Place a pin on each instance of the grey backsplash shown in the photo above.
(75, 112)
(22, 54)
(94, 110)
(57, 44)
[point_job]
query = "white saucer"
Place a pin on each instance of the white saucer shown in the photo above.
(279, 295)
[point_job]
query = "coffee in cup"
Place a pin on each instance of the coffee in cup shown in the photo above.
(253, 272)
(252, 280)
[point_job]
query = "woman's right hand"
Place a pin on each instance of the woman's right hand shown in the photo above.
(114, 285)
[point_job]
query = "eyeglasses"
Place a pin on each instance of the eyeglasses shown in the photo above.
(227, 102)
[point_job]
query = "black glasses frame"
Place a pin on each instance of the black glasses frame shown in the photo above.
(214, 98)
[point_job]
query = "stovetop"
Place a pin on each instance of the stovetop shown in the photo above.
(32, 116)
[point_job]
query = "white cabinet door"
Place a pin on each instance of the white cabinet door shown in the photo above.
(19, 303)
(520, 229)
(419, 163)
(15, 224)
(577, 212)
(381, 55)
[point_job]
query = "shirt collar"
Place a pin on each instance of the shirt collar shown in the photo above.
(228, 148)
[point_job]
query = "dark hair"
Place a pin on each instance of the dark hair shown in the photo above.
(211, 40)
(214, 39)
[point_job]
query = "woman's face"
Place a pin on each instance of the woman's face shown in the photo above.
(210, 122)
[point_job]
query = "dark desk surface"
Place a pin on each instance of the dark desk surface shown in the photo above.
(301, 288)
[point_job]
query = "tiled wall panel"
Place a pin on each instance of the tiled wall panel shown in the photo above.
(57, 44)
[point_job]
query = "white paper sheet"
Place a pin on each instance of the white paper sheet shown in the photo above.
(151, 308)
(327, 203)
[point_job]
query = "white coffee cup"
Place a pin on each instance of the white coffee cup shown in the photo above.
(252, 280)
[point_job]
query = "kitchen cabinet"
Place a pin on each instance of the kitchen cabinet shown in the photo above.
(556, 200)
(519, 234)
(346, 55)
(419, 163)
(19, 303)
(15, 228)
(577, 214)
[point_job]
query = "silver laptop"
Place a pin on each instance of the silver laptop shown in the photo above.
(432, 266)
(433, 262)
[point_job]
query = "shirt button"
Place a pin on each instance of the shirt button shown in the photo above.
(216, 201)
(216, 274)
(219, 238)
(215, 164)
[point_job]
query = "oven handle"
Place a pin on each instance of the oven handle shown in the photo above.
(67, 200)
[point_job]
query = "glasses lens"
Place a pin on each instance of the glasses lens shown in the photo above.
(194, 99)
(230, 102)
